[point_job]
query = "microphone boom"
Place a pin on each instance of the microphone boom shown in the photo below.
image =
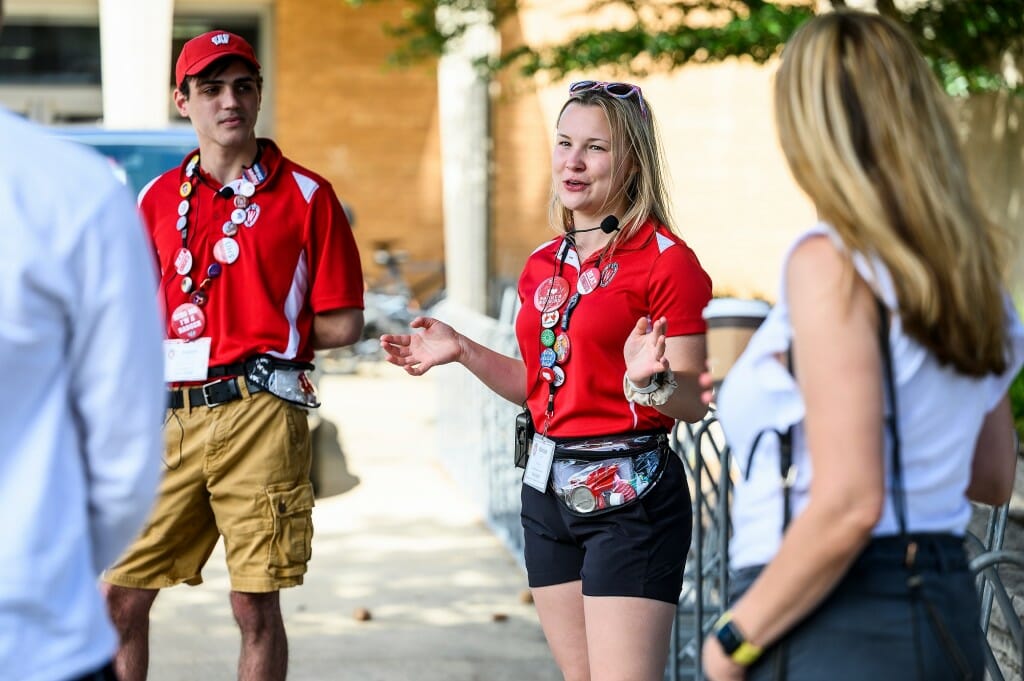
(608, 225)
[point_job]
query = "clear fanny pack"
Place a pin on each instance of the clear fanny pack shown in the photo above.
(599, 475)
(284, 379)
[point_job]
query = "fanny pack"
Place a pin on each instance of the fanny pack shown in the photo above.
(283, 378)
(594, 476)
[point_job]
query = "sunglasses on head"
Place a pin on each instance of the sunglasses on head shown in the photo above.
(617, 90)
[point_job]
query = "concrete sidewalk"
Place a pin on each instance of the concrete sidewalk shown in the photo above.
(394, 537)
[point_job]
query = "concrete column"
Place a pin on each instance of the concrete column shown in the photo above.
(135, 39)
(465, 156)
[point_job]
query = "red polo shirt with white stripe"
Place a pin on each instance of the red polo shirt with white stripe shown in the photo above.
(655, 274)
(296, 257)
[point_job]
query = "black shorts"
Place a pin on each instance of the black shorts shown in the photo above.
(638, 550)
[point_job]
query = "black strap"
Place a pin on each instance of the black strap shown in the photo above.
(211, 394)
(241, 368)
(899, 495)
(786, 473)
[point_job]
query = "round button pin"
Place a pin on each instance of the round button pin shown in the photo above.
(547, 374)
(188, 321)
(561, 348)
(214, 270)
(559, 375)
(238, 216)
(183, 261)
(182, 223)
(589, 280)
(183, 207)
(247, 188)
(229, 228)
(186, 284)
(226, 250)
(549, 319)
(551, 293)
(185, 189)
(241, 201)
(547, 358)
(547, 338)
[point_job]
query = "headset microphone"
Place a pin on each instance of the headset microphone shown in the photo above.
(608, 225)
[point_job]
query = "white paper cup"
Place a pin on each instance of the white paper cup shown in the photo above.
(731, 323)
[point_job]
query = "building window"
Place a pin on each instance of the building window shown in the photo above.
(43, 53)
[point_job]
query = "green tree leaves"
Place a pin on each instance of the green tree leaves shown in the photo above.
(973, 45)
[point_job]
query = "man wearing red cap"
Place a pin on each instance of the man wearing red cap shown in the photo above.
(258, 267)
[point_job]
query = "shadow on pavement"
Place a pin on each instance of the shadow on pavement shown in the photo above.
(329, 473)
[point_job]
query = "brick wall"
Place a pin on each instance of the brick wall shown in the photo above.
(373, 132)
(735, 203)
(369, 129)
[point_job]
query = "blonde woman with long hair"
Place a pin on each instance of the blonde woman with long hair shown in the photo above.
(871, 405)
(612, 344)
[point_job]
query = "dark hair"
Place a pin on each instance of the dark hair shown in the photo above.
(216, 68)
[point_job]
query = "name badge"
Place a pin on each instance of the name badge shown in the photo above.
(186, 361)
(542, 453)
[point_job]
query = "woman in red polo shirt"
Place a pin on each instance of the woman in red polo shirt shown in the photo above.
(612, 341)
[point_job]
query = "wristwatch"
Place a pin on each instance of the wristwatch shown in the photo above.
(733, 642)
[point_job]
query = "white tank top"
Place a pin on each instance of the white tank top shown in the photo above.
(940, 415)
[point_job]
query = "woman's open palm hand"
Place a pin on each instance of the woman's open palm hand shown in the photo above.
(644, 350)
(435, 345)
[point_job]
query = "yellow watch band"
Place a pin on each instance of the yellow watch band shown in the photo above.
(746, 654)
(733, 642)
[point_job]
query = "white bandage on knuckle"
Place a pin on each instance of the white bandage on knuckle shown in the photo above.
(659, 391)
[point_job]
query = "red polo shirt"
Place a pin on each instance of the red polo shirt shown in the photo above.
(296, 257)
(654, 274)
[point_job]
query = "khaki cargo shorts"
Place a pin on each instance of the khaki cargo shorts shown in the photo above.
(241, 471)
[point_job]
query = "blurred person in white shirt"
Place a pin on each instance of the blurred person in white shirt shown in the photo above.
(82, 395)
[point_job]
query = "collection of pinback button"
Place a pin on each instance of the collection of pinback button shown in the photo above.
(549, 297)
(225, 252)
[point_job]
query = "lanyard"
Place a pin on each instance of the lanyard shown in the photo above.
(188, 319)
(556, 307)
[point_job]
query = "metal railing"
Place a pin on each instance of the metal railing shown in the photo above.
(475, 426)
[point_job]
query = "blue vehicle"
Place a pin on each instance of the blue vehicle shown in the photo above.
(136, 156)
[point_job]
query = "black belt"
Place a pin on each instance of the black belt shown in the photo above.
(212, 394)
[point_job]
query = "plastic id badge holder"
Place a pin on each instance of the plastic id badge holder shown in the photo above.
(538, 469)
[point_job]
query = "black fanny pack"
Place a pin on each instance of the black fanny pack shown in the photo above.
(593, 476)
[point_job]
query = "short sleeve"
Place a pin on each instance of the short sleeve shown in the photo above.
(679, 290)
(335, 267)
